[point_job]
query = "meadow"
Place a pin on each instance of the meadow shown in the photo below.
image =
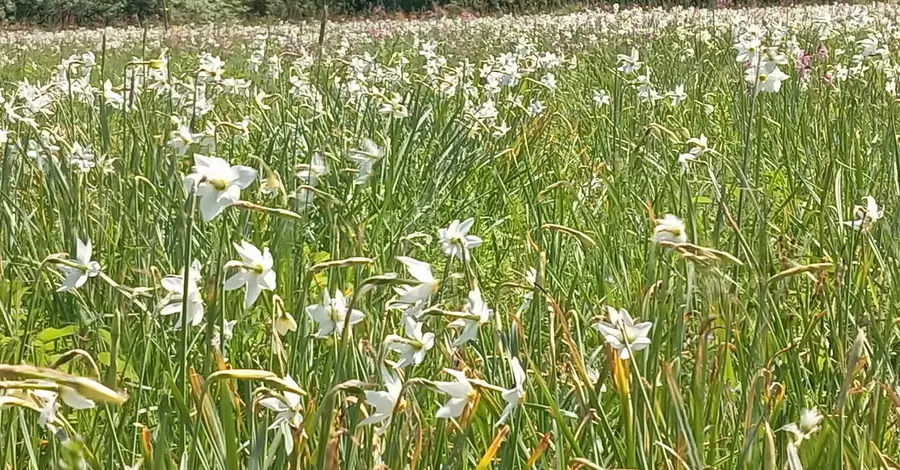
(615, 238)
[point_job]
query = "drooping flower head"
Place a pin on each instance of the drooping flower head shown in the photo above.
(670, 229)
(77, 275)
(173, 302)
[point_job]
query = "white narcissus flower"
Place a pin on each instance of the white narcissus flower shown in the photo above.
(76, 276)
(113, 99)
(366, 157)
(332, 313)
(396, 107)
(182, 138)
(622, 334)
(317, 168)
(255, 271)
(283, 321)
(173, 301)
(678, 96)
(385, 402)
(48, 401)
(288, 417)
(866, 216)
(260, 98)
(629, 63)
(809, 423)
(218, 183)
(516, 395)
(455, 239)
(602, 98)
(421, 271)
(670, 229)
(71, 397)
(461, 393)
(478, 314)
(747, 50)
(82, 158)
(413, 346)
(767, 77)
(536, 107)
(699, 146)
(221, 336)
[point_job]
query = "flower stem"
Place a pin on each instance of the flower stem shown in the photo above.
(186, 283)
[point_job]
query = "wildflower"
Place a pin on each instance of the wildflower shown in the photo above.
(234, 86)
(211, 68)
(331, 314)
(396, 107)
(288, 417)
(82, 158)
(255, 271)
(260, 98)
(767, 77)
(622, 334)
(700, 146)
(218, 184)
(421, 271)
(549, 81)
(317, 168)
(385, 402)
(865, 216)
(271, 184)
(174, 300)
(413, 346)
(478, 314)
(678, 96)
(500, 130)
(50, 398)
(114, 99)
(283, 321)
(461, 393)
(602, 98)
(669, 229)
(536, 107)
(365, 157)
(531, 281)
(222, 335)
(747, 50)
(455, 239)
(806, 427)
(516, 395)
(629, 63)
(48, 415)
(82, 269)
(182, 138)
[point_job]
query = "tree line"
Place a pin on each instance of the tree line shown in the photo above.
(101, 12)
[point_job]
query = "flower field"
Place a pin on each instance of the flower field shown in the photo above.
(617, 238)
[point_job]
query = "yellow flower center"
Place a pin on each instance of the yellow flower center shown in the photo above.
(218, 183)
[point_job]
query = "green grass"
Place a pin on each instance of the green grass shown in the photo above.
(772, 307)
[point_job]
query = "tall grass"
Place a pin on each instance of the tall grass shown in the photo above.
(769, 305)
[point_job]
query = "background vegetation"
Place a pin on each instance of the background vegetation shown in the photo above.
(93, 12)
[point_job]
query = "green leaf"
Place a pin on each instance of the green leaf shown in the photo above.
(125, 368)
(52, 334)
